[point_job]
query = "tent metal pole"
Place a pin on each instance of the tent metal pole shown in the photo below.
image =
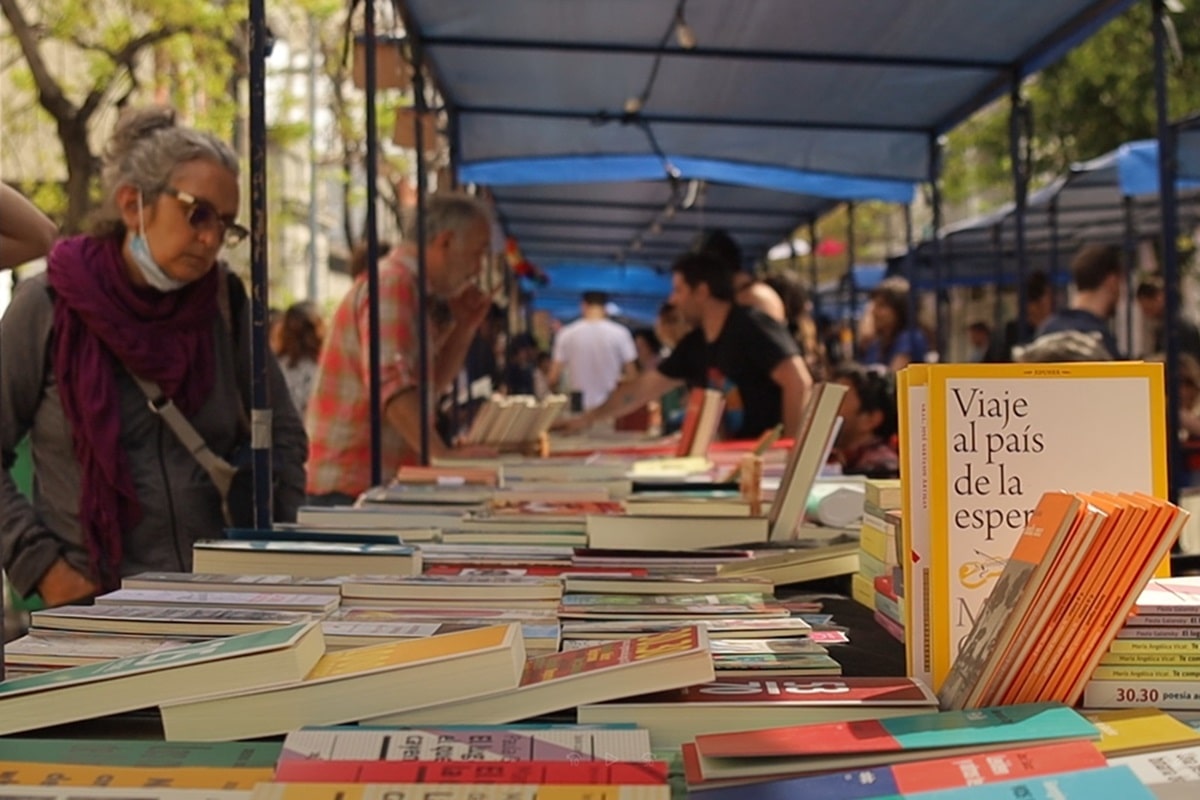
(851, 281)
(1129, 241)
(998, 266)
(813, 271)
(1019, 136)
(1167, 171)
(424, 357)
(372, 233)
(935, 202)
(260, 411)
(1055, 261)
(910, 264)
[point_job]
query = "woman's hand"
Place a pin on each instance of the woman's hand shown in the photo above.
(63, 584)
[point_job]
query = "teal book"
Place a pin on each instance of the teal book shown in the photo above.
(952, 729)
(1105, 783)
(275, 657)
(139, 753)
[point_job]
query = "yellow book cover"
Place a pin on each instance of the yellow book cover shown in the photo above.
(1138, 730)
(25, 773)
(1001, 435)
(407, 651)
(912, 394)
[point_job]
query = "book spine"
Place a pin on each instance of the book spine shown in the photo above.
(1149, 659)
(1141, 620)
(1147, 673)
(1148, 634)
(1165, 695)
(894, 629)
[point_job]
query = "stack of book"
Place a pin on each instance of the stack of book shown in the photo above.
(732, 704)
(624, 606)
(514, 421)
(1076, 572)
(559, 682)
(1008, 746)
(1155, 658)
(880, 542)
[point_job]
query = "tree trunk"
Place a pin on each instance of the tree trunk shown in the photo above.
(81, 168)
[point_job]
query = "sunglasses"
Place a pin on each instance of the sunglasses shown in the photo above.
(203, 216)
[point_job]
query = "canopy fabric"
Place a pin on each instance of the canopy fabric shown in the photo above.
(1187, 139)
(637, 290)
(856, 87)
(646, 221)
(1097, 201)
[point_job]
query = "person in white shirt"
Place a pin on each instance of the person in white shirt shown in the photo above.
(592, 354)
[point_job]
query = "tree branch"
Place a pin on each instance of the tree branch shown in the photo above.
(125, 58)
(49, 91)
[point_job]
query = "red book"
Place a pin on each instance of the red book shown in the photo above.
(883, 585)
(591, 773)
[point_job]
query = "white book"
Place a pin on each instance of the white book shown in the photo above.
(431, 742)
(271, 601)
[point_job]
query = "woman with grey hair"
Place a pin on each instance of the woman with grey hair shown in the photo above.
(139, 308)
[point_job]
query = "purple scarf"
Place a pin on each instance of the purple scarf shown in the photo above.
(101, 321)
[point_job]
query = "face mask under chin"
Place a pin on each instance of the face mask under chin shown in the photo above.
(139, 249)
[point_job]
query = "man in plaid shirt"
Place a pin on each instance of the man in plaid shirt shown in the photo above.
(457, 233)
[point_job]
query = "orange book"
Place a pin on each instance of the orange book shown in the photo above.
(1028, 639)
(448, 476)
(1107, 582)
(1001, 619)
(1169, 522)
(1037, 669)
(1103, 576)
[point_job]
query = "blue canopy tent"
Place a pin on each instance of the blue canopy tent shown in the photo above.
(847, 89)
(1111, 199)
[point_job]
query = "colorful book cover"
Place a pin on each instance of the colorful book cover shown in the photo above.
(65, 647)
(569, 771)
(1104, 783)
(136, 753)
(306, 548)
(61, 616)
(1006, 434)
(455, 791)
(838, 691)
(955, 772)
(467, 743)
(1138, 730)
(1004, 614)
(987, 726)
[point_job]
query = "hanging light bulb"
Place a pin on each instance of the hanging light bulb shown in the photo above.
(633, 105)
(683, 32)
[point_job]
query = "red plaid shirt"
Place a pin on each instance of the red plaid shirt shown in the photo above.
(339, 411)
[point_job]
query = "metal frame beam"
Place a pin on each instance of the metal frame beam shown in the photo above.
(723, 53)
(643, 118)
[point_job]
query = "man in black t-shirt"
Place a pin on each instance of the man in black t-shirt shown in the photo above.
(739, 351)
